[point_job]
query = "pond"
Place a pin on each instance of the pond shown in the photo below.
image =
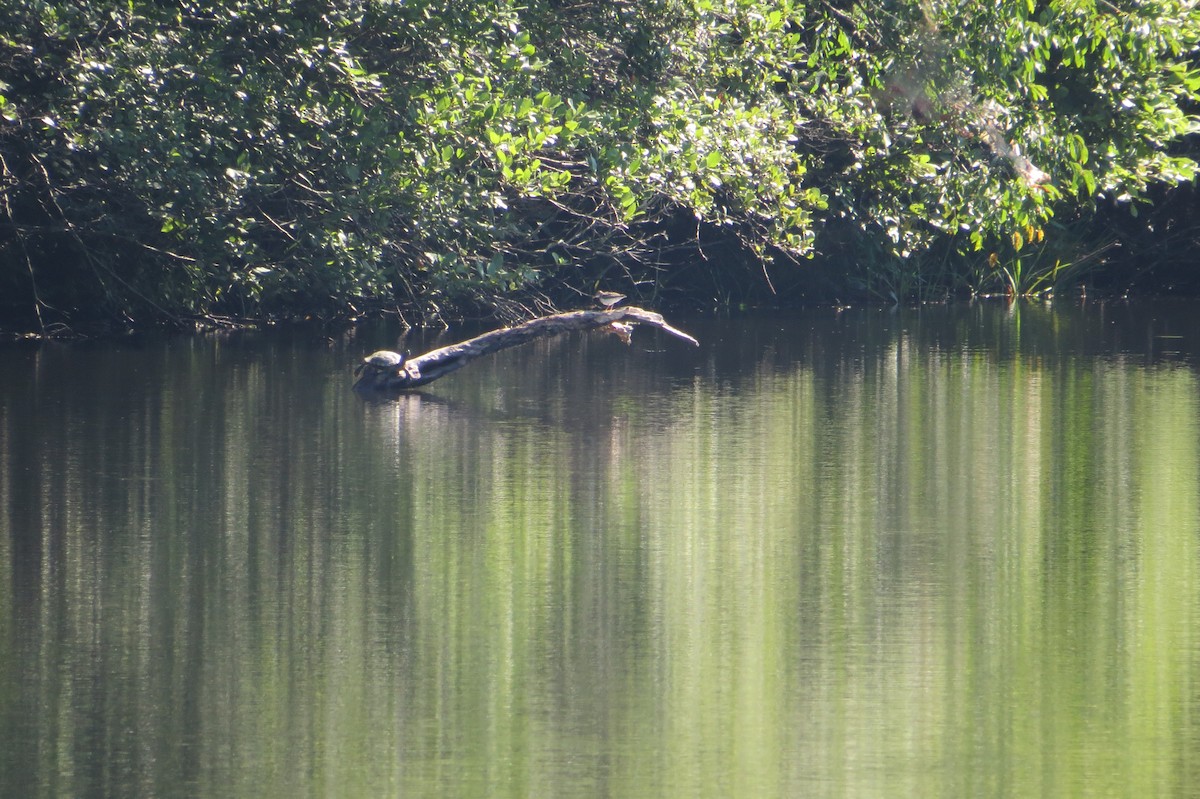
(937, 552)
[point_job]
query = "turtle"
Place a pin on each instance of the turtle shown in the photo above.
(379, 366)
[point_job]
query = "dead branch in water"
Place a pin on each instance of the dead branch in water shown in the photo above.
(387, 370)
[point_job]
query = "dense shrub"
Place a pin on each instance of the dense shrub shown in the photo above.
(164, 160)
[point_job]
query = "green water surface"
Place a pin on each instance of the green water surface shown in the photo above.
(942, 552)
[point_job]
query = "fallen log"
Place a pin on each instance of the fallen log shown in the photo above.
(392, 371)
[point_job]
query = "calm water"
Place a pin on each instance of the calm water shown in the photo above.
(936, 553)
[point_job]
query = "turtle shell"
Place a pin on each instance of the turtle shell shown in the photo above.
(383, 361)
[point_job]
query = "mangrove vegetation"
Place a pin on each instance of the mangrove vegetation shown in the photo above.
(170, 161)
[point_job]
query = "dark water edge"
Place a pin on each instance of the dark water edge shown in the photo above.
(791, 297)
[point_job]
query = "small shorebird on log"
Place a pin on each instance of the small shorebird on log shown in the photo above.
(609, 298)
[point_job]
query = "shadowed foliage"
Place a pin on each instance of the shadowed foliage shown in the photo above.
(172, 161)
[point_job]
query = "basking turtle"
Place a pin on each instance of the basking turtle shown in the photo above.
(379, 367)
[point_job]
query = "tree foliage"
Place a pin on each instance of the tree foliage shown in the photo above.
(170, 159)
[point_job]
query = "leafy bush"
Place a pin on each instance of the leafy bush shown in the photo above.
(178, 159)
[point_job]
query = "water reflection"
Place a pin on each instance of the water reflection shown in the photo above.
(946, 552)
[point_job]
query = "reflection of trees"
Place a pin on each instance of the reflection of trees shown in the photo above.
(811, 571)
(944, 554)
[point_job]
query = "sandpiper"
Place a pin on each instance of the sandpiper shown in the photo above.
(608, 298)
